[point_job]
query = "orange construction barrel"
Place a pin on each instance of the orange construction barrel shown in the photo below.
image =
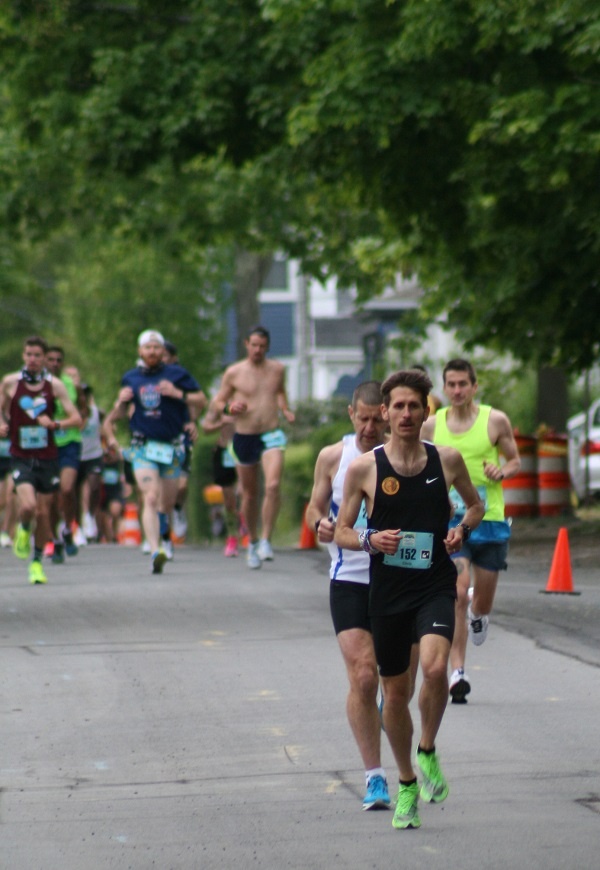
(521, 491)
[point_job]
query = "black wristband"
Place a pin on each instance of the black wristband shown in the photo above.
(317, 524)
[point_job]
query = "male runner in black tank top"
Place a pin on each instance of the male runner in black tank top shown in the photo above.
(405, 486)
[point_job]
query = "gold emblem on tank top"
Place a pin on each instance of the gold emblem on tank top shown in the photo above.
(390, 485)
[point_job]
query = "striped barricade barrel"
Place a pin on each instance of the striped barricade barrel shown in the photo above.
(521, 491)
(554, 483)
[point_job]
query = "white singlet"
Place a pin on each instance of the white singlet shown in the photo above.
(351, 566)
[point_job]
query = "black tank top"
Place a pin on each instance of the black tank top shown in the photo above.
(28, 439)
(419, 506)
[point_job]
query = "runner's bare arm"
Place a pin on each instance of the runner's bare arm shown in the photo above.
(119, 410)
(282, 400)
(318, 506)
(507, 446)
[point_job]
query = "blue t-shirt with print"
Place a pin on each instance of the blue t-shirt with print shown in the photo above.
(158, 417)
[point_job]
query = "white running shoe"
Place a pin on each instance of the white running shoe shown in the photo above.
(265, 550)
(90, 529)
(5, 540)
(167, 548)
(145, 547)
(459, 686)
(79, 539)
(180, 523)
(252, 558)
(478, 627)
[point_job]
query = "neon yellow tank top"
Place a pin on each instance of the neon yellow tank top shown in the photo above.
(475, 448)
(66, 436)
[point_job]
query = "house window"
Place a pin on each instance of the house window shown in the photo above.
(278, 318)
(277, 277)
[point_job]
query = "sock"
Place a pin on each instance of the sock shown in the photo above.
(37, 554)
(425, 751)
(163, 523)
(374, 771)
(408, 781)
(26, 526)
(178, 507)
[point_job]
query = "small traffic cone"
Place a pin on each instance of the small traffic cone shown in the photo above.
(130, 534)
(560, 579)
(308, 539)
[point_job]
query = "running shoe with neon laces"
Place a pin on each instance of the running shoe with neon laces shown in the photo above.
(407, 807)
(231, 547)
(5, 540)
(377, 796)
(22, 545)
(158, 560)
(252, 558)
(459, 686)
(36, 572)
(478, 628)
(434, 787)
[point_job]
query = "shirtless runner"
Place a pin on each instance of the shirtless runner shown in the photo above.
(253, 392)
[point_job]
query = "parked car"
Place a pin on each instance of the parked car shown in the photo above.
(584, 453)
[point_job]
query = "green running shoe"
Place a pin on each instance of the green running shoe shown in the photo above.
(158, 560)
(22, 546)
(406, 815)
(434, 788)
(36, 572)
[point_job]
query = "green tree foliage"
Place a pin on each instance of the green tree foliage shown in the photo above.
(458, 139)
(110, 291)
(475, 127)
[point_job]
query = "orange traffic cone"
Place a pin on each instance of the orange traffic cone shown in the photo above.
(130, 534)
(561, 579)
(308, 540)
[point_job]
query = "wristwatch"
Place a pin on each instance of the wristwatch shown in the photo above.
(466, 531)
(365, 543)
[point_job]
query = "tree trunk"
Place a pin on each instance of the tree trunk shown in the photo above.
(250, 272)
(552, 404)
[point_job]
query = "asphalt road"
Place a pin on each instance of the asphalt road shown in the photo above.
(196, 720)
